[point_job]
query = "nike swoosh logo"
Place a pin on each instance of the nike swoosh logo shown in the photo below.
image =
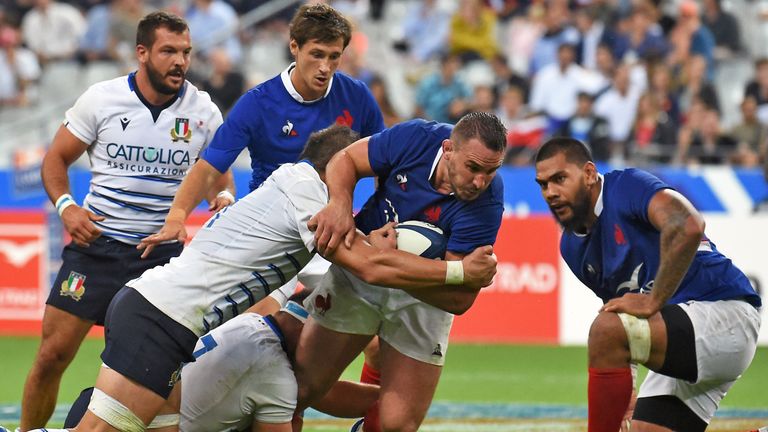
(18, 255)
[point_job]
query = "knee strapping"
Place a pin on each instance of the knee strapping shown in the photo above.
(165, 420)
(638, 335)
(115, 413)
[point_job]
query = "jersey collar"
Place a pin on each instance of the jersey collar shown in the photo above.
(155, 110)
(285, 76)
(599, 202)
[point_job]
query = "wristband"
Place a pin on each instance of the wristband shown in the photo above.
(226, 194)
(454, 273)
(63, 202)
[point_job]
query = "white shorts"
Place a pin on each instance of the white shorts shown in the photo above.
(726, 340)
(345, 304)
(310, 276)
(241, 375)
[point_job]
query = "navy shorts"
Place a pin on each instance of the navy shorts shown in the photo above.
(90, 277)
(144, 344)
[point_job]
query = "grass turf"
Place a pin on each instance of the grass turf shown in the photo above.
(513, 374)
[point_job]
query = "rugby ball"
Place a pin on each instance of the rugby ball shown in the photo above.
(421, 238)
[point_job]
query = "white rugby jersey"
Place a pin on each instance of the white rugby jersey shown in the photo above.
(137, 161)
(241, 374)
(241, 254)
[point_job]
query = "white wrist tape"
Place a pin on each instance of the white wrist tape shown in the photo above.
(63, 202)
(226, 194)
(454, 273)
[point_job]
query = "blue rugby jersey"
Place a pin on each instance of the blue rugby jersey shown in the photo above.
(274, 122)
(621, 252)
(404, 158)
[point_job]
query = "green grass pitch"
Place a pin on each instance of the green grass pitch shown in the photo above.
(475, 376)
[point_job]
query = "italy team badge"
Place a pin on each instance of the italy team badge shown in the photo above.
(181, 130)
(74, 286)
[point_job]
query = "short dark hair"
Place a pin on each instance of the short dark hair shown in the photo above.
(481, 125)
(323, 144)
(319, 22)
(145, 34)
(574, 150)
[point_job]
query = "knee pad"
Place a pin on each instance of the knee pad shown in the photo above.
(164, 420)
(115, 413)
(638, 335)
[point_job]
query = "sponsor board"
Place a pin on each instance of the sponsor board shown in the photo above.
(522, 303)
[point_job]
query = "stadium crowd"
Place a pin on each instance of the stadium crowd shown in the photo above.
(632, 78)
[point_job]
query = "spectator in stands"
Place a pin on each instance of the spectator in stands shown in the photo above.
(483, 99)
(19, 69)
(380, 92)
(53, 30)
(661, 89)
(525, 131)
(750, 134)
(210, 20)
(694, 84)
(425, 30)
(643, 38)
(605, 66)
(591, 33)
(691, 37)
(504, 77)
(226, 84)
(521, 36)
(557, 31)
(589, 128)
(758, 89)
(94, 44)
(724, 28)
(353, 63)
(654, 134)
(709, 145)
(618, 105)
(555, 88)
(125, 16)
(472, 33)
(443, 96)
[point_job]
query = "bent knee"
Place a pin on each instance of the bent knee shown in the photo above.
(607, 340)
(55, 358)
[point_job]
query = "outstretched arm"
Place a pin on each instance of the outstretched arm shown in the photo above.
(681, 227)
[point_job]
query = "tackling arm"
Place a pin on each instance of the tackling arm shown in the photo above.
(334, 222)
(422, 278)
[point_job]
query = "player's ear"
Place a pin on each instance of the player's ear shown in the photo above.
(590, 173)
(141, 53)
(448, 147)
(294, 47)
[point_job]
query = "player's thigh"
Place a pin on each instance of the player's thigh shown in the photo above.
(321, 356)
(134, 397)
(62, 335)
(269, 427)
(615, 340)
(407, 388)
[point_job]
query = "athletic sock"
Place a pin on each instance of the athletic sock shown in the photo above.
(371, 376)
(609, 392)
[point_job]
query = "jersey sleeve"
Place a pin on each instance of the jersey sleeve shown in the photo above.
(81, 119)
(388, 148)
(233, 135)
(373, 120)
(308, 198)
(478, 223)
(633, 192)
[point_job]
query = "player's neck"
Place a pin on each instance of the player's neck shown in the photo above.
(440, 178)
(594, 195)
(148, 92)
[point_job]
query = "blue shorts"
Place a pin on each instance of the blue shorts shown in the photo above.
(144, 344)
(90, 277)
